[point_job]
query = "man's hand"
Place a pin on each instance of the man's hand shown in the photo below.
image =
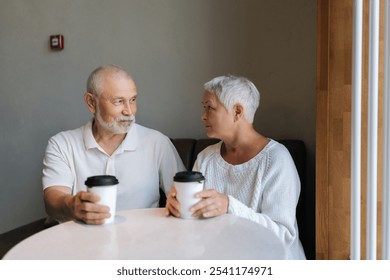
(62, 206)
(172, 206)
(85, 209)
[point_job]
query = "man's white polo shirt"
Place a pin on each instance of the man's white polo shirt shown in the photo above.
(145, 161)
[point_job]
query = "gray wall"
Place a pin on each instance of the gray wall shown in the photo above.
(170, 47)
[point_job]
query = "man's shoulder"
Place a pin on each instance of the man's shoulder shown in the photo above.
(68, 135)
(146, 131)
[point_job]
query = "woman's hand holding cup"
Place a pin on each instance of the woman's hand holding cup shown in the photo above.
(212, 204)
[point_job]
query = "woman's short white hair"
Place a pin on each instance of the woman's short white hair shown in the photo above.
(231, 90)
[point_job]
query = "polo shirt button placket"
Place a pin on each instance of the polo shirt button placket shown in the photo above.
(110, 168)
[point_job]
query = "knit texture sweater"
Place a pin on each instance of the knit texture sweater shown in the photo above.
(264, 189)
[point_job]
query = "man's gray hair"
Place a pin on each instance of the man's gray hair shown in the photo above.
(95, 79)
(231, 90)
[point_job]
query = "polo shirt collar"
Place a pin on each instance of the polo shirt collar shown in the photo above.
(89, 140)
(128, 144)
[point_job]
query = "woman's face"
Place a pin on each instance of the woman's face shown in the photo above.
(218, 121)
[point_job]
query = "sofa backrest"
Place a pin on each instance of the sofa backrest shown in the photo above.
(188, 149)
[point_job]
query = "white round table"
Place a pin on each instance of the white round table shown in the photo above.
(145, 234)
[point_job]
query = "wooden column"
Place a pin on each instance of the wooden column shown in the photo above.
(333, 132)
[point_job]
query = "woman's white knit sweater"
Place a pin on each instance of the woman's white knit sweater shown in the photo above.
(264, 189)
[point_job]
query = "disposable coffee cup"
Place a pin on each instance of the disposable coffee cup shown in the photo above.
(104, 186)
(187, 184)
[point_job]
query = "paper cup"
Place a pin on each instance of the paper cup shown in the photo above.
(104, 186)
(187, 184)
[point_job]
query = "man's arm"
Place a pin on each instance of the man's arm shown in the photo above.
(61, 205)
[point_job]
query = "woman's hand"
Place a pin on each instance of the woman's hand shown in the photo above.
(212, 204)
(172, 205)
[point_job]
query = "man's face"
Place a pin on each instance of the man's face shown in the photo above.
(116, 106)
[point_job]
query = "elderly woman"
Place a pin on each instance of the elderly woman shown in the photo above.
(247, 174)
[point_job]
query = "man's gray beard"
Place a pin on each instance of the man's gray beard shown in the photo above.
(114, 127)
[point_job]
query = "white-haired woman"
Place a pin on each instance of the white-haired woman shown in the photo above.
(247, 174)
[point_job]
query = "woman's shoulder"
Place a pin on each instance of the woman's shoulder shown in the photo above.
(276, 147)
(209, 151)
(278, 153)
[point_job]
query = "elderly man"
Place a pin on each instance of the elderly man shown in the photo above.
(110, 144)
